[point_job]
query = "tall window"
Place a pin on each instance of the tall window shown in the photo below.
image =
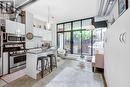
(76, 39)
(98, 40)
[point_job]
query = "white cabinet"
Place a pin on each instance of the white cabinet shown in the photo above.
(1, 67)
(5, 63)
(15, 27)
(11, 27)
(20, 28)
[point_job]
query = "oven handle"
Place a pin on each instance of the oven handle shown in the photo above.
(17, 55)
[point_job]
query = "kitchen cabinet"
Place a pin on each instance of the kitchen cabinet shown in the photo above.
(1, 71)
(21, 28)
(31, 61)
(117, 52)
(5, 63)
(15, 27)
(10, 27)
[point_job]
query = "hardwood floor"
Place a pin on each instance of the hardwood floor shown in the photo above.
(26, 81)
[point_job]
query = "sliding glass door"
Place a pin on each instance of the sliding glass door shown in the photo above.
(60, 40)
(67, 41)
(86, 42)
(77, 42)
(98, 39)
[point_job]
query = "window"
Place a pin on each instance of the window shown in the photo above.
(67, 26)
(77, 25)
(86, 22)
(98, 39)
(67, 41)
(60, 27)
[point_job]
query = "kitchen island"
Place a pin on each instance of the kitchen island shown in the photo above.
(31, 61)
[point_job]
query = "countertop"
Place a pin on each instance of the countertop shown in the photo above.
(41, 50)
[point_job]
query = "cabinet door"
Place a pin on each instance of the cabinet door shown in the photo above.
(11, 27)
(21, 28)
(5, 63)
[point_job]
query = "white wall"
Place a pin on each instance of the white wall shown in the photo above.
(117, 58)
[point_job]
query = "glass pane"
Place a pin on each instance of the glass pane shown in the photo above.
(67, 26)
(77, 42)
(98, 40)
(76, 25)
(86, 42)
(67, 41)
(60, 27)
(60, 40)
(86, 22)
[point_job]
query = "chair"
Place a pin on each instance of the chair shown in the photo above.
(61, 52)
(44, 64)
(53, 61)
(97, 61)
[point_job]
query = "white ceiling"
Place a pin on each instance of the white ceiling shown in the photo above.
(64, 10)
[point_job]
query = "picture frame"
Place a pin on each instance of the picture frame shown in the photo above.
(29, 36)
(122, 6)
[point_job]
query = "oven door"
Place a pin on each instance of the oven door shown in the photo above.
(17, 62)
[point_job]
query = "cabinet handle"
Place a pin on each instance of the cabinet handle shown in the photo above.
(123, 35)
(120, 38)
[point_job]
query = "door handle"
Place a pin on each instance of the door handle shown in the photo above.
(120, 37)
(123, 37)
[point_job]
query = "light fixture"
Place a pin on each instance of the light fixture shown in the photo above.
(48, 24)
(90, 27)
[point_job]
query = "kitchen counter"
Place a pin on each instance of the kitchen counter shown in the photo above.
(31, 61)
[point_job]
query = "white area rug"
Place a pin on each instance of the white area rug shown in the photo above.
(2, 83)
(76, 57)
(72, 77)
(11, 77)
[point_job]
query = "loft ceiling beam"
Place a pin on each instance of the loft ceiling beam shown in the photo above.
(111, 7)
(27, 2)
(101, 8)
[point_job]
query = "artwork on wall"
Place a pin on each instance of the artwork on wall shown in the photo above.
(122, 6)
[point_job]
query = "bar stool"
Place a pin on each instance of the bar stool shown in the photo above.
(44, 64)
(53, 61)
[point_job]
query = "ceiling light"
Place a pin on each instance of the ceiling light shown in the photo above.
(48, 24)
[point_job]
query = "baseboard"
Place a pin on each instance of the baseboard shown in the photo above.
(104, 80)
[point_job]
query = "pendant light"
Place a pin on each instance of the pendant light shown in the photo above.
(90, 27)
(48, 24)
